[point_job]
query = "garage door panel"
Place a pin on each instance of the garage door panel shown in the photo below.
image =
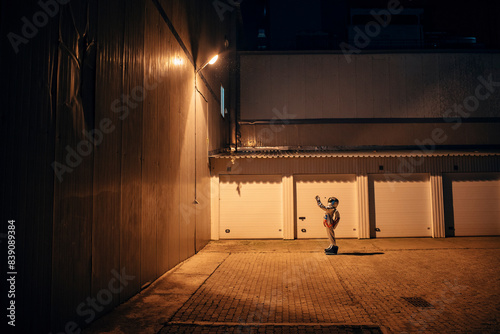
(251, 206)
(402, 207)
(337, 185)
(398, 209)
(475, 201)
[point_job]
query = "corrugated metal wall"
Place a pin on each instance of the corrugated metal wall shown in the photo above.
(368, 134)
(126, 204)
(374, 100)
(409, 85)
(28, 148)
(75, 112)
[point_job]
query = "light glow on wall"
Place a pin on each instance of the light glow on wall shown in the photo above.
(178, 61)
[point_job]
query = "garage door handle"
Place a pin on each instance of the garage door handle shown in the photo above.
(377, 229)
(302, 218)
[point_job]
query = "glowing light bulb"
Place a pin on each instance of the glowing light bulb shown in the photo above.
(213, 60)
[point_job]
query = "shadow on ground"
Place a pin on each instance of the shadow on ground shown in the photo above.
(361, 254)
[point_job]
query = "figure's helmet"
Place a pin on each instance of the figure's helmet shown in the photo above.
(333, 201)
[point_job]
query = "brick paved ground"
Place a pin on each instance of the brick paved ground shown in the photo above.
(285, 329)
(462, 286)
(292, 287)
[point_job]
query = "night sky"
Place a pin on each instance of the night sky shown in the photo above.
(285, 18)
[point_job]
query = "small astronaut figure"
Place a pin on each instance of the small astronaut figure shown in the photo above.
(330, 222)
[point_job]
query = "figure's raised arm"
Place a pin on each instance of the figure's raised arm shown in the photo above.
(318, 200)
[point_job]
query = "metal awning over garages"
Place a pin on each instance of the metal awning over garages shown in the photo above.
(278, 153)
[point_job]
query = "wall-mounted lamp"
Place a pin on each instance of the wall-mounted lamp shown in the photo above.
(211, 61)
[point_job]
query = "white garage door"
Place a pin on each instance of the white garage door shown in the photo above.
(309, 217)
(251, 207)
(476, 204)
(401, 206)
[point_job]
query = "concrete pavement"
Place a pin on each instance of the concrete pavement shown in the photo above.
(398, 285)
